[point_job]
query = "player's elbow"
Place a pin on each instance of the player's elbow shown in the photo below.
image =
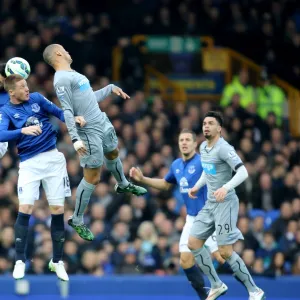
(245, 172)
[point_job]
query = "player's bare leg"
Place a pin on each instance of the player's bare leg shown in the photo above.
(114, 165)
(91, 178)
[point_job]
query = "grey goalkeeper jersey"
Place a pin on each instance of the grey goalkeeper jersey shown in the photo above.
(218, 163)
(77, 98)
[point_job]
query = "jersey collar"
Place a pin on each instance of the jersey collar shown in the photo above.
(188, 160)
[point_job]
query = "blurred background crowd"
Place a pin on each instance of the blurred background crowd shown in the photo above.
(138, 235)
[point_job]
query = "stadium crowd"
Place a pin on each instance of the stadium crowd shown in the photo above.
(264, 30)
(138, 235)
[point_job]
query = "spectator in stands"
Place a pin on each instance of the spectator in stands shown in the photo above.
(271, 99)
(146, 125)
(250, 241)
(278, 266)
(279, 226)
(267, 248)
(239, 85)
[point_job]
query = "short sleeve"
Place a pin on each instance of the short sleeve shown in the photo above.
(228, 154)
(170, 177)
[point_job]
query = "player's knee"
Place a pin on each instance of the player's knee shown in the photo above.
(194, 243)
(186, 260)
(112, 155)
(94, 180)
(92, 176)
(26, 209)
(56, 209)
(225, 252)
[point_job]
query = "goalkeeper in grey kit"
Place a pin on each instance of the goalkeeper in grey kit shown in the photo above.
(96, 142)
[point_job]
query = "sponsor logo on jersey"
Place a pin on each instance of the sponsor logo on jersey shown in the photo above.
(209, 168)
(33, 121)
(0, 118)
(35, 107)
(177, 171)
(184, 185)
(84, 84)
(192, 169)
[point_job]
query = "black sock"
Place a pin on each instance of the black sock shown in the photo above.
(58, 236)
(195, 277)
(21, 231)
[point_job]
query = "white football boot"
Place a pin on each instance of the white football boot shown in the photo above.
(216, 293)
(258, 295)
(19, 270)
(59, 269)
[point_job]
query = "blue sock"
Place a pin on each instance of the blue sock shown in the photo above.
(58, 236)
(195, 277)
(21, 232)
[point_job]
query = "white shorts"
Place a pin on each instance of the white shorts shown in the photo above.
(48, 168)
(211, 242)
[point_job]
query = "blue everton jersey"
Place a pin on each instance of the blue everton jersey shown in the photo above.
(35, 111)
(3, 98)
(185, 174)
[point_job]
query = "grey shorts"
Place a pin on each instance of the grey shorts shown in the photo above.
(98, 139)
(220, 217)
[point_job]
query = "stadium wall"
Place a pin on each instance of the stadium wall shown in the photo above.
(137, 288)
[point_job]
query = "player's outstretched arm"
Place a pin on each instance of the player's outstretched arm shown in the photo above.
(3, 149)
(157, 183)
(102, 94)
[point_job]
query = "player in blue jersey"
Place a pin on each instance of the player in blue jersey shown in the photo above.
(221, 209)
(25, 118)
(3, 100)
(185, 172)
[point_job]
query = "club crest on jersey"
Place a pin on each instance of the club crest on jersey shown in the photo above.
(184, 185)
(192, 169)
(209, 168)
(20, 190)
(16, 116)
(35, 107)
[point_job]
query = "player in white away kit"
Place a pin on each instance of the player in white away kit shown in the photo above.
(96, 142)
(220, 212)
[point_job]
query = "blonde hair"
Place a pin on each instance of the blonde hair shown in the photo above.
(147, 236)
(11, 80)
